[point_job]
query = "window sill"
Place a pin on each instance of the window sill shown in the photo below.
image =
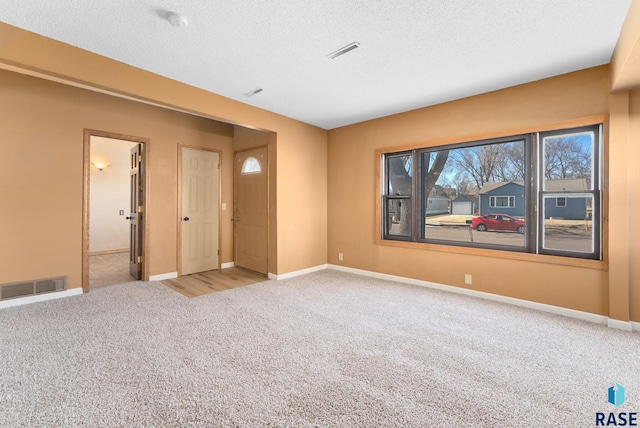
(499, 254)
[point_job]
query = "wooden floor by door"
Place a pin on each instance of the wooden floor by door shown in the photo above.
(199, 214)
(251, 209)
(199, 284)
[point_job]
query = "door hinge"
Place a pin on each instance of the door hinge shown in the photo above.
(139, 259)
(140, 207)
(139, 158)
(218, 252)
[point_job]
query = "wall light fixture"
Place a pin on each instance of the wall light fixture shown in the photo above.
(100, 165)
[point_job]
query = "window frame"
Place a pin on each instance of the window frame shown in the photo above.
(563, 205)
(386, 198)
(595, 191)
(533, 201)
(492, 200)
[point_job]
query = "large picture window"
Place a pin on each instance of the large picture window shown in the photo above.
(537, 193)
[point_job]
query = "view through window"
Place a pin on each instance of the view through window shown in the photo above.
(537, 193)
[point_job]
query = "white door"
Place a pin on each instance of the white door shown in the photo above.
(199, 214)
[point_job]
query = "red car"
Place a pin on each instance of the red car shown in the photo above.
(497, 222)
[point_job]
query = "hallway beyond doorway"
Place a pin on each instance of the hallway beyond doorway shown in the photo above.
(109, 269)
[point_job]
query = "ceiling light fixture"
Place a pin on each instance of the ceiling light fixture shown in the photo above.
(176, 19)
(252, 93)
(343, 50)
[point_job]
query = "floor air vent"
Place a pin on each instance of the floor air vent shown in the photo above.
(31, 288)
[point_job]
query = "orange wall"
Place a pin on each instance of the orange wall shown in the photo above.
(625, 61)
(634, 205)
(324, 191)
(300, 155)
(352, 196)
(41, 175)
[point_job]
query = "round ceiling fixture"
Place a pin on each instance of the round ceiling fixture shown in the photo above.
(176, 19)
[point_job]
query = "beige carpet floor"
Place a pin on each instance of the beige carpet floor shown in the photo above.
(326, 349)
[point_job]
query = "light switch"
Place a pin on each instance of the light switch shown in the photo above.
(121, 212)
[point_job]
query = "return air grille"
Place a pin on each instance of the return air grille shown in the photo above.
(31, 288)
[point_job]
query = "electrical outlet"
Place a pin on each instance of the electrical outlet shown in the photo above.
(467, 279)
(121, 212)
(224, 206)
(340, 256)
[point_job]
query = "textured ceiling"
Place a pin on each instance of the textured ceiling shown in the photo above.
(413, 53)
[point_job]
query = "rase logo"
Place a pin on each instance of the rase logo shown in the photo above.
(615, 396)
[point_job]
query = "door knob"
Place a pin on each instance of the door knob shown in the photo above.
(186, 219)
(237, 219)
(128, 218)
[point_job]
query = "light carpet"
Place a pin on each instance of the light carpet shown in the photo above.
(324, 349)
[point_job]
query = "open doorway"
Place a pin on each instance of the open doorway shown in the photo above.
(113, 238)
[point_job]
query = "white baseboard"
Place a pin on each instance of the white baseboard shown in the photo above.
(163, 276)
(40, 298)
(585, 316)
(297, 272)
(635, 326)
(620, 325)
(227, 265)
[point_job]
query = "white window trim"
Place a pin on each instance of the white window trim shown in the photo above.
(492, 202)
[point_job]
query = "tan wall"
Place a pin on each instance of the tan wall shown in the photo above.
(41, 175)
(625, 61)
(301, 168)
(617, 195)
(300, 156)
(624, 278)
(634, 208)
(306, 173)
(352, 196)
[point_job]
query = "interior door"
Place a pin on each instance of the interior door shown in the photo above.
(251, 209)
(199, 210)
(135, 211)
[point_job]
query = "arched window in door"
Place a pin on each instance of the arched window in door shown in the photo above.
(251, 166)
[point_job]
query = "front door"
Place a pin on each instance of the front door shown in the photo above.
(135, 211)
(251, 209)
(199, 210)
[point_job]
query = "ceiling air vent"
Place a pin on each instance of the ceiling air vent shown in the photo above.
(252, 93)
(343, 50)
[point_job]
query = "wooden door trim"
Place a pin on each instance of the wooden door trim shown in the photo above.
(268, 171)
(86, 174)
(179, 219)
